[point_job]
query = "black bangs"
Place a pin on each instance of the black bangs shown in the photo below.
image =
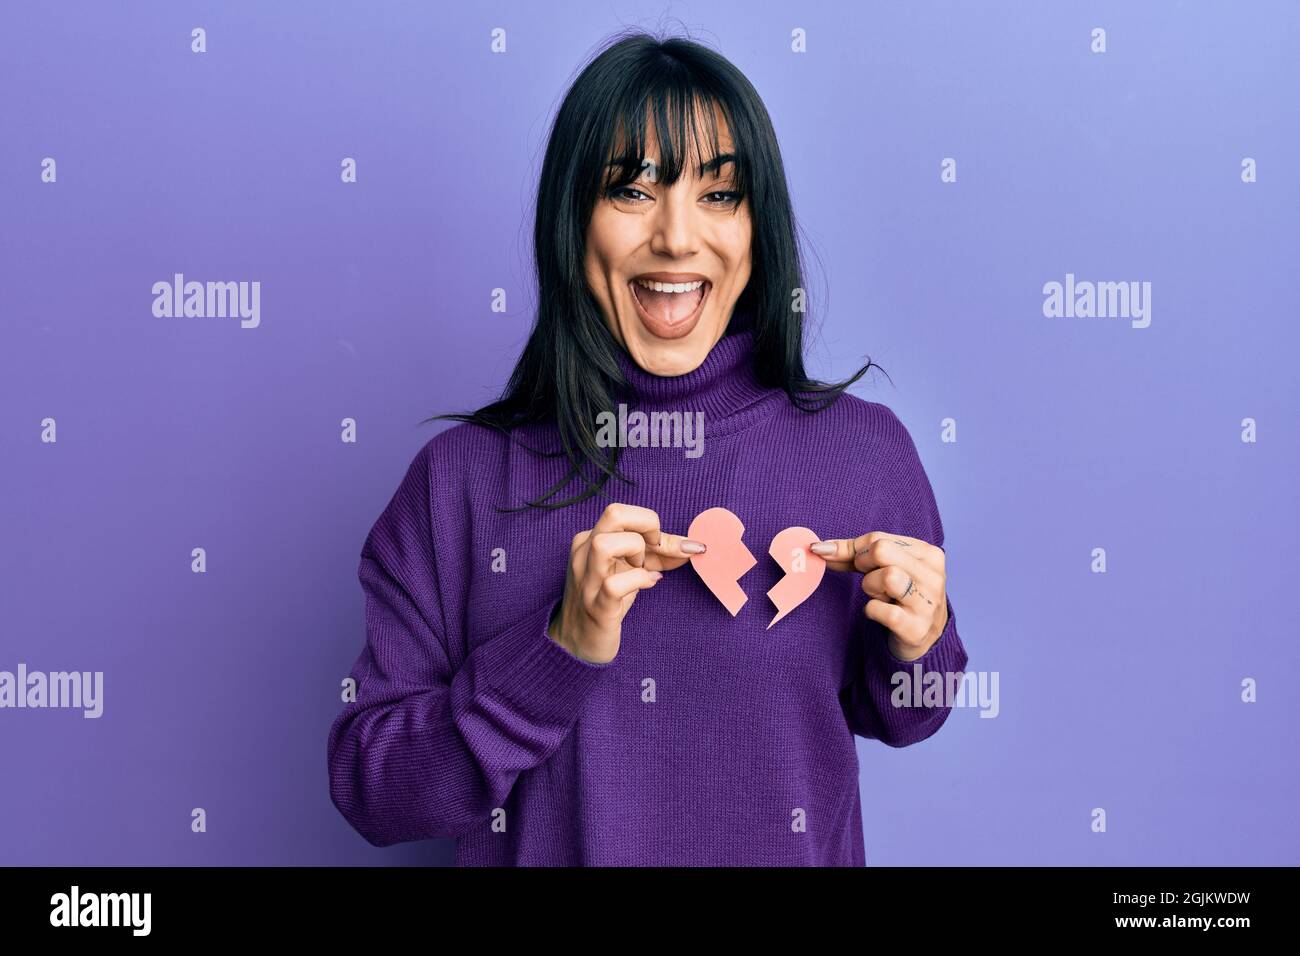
(684, 116)
(680, 91)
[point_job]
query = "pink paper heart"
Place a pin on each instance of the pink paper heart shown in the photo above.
(803, 570)
(727, 559)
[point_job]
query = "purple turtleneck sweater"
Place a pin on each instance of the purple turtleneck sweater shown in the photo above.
(708, 740)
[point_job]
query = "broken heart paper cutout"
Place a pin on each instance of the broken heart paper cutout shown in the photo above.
(803, 570)
(726, 559)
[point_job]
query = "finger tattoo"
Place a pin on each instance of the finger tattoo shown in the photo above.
(911, 586)
(901, 544)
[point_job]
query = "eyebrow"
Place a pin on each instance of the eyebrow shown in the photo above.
(717, 162)
(714, 165)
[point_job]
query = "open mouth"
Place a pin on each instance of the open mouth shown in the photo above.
(670, 309)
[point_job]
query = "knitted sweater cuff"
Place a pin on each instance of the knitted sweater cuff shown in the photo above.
(523, 671)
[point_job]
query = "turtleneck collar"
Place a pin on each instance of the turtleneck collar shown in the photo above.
(723, 387)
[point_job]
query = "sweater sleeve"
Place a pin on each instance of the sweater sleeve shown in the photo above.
(881, 700)
(428, 749)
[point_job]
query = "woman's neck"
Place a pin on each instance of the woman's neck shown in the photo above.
(723, 388)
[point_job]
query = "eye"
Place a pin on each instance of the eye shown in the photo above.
(618, 192)
(728, 198)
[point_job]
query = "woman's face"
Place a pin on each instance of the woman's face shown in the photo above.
(667, 265)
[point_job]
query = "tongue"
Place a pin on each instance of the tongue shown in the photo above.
(669, 307)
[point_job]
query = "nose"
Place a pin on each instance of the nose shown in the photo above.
(676, 230)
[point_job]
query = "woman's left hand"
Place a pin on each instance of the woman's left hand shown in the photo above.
(905, 581)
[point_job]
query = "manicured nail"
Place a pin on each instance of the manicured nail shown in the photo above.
(692, 547)
(821, 547)
(656, 575)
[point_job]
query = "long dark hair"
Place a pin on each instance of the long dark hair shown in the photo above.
(568, 372)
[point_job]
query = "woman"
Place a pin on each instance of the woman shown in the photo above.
(543, 678)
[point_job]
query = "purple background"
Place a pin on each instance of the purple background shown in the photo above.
(1118, 690)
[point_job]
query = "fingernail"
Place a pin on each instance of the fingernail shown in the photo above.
(656, 575)
(692, 547)
(821, 547)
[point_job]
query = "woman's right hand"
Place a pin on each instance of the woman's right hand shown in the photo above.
(608, 565)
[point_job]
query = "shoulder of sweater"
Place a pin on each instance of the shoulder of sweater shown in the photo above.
(872, 420)
(894, 465)
(882, 448)
(439, 477)
(460, 448)
(466, 453)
